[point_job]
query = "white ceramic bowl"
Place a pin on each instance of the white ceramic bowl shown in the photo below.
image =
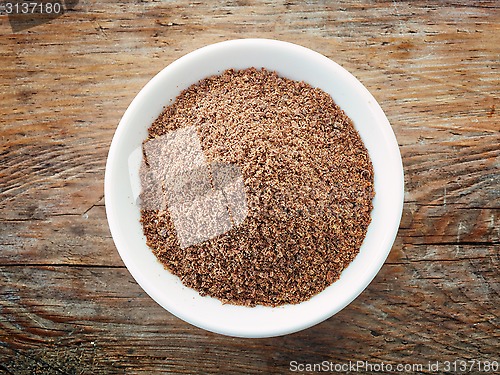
(122, 184)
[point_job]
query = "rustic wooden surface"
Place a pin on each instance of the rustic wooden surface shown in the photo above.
(67, 303)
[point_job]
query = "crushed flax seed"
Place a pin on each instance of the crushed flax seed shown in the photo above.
(308, 185)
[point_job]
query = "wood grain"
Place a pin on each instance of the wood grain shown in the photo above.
(67, 303)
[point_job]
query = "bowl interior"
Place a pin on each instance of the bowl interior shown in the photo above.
(122, 186)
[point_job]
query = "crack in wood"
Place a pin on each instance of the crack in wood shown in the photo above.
(4, 368)
(431, 261)
(408, 261)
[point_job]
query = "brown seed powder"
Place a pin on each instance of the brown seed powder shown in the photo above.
(308, 182)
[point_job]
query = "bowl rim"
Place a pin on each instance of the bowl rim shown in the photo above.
(143, 280)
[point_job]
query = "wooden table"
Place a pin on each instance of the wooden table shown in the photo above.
(69, 306)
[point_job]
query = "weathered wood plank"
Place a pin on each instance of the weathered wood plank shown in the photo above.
(70, 240)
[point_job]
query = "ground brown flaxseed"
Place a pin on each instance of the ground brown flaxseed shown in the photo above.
(308, 184)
